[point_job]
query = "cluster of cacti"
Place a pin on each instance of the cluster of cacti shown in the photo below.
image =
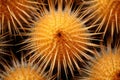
(59, 39)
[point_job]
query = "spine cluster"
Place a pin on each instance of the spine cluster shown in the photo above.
(59, 39)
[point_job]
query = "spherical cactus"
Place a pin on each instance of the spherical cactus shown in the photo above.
(14, 14)
(106, 13)
(105, 65)
(59, 37)
(22, 70)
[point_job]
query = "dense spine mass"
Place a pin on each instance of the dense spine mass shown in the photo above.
(22, 71)
(106, 13)
(15, 13)
(59, 37)
(105, 65)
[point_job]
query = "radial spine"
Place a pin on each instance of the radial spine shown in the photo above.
(15, 13)
(59, 37)
(106, 13)
(105, 65)
(22, 70)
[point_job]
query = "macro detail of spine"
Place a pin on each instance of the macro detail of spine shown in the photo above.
(105, 66)
(59, 38)
(22, 71)
(107, 12)
(3, 43)
(14, 13)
